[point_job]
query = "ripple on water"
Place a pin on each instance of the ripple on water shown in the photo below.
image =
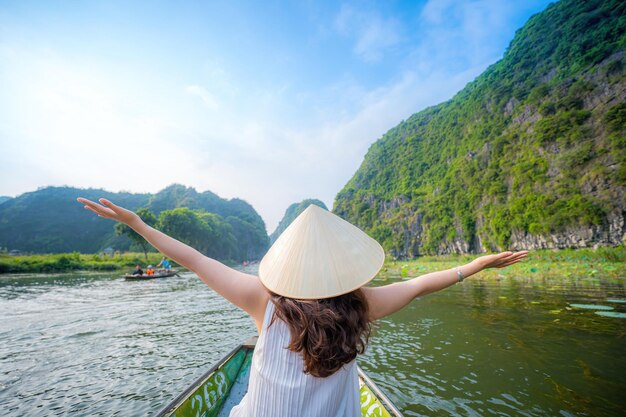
(101, 347)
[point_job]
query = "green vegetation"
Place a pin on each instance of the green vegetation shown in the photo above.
(50, 220)
(149, 218)
(292, 212)
(206, 232)
(535, 145)
(572, 264)
(75, 262)
(605, 261)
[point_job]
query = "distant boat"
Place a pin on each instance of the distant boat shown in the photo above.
(223, 386)
(131, 277)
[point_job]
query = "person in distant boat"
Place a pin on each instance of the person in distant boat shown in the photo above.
(165, 264)
(138, 270)
(149, 271)
(311, 305)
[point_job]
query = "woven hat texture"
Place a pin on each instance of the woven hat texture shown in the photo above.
(320, 255)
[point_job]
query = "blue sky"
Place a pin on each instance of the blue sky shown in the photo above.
(272, 102)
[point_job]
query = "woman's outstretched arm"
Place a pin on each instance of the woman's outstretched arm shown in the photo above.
(243, 290)
(388, 299)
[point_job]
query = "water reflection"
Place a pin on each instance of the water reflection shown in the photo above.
(512, 347)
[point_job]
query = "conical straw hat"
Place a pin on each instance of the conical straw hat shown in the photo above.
(320, 255)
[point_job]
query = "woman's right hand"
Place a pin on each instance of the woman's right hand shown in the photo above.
(109, 210)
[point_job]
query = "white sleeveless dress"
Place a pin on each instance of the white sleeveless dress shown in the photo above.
(278, 387)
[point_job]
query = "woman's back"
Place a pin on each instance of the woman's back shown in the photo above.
(279, 387)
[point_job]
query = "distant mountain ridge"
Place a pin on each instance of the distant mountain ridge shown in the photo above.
(531, 154)
(291, 213)
(50, 220)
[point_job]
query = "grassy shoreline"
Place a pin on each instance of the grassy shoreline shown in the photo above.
(568, 262)
(67, 262)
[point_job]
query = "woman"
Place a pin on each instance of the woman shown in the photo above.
(310, 306)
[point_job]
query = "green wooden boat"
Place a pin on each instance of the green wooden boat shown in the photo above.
(131, 277)
(223, 386)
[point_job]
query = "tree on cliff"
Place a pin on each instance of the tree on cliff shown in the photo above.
(209, 233)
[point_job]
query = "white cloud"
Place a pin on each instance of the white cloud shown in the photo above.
(372, 33)
(207, 98)
(434, 10)
(462, 34)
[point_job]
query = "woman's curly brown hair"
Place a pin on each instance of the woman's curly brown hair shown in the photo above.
(329, 332)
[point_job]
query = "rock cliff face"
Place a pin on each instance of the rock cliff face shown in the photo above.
(610, 233)
(529, 155)
(409, 235)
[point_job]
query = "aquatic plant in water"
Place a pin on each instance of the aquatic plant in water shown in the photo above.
(615, 314)
(592, 306)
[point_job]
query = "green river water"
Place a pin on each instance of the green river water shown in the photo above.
(87, 344)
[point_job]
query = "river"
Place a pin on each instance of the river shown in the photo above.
(87, 344)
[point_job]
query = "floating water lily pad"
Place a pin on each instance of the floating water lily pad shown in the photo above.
(615, 314)
(592, 306)
(615, 300)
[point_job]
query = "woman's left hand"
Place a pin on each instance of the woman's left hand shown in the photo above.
(500, 260)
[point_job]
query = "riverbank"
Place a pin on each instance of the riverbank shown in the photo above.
(567, 263)
(66, 262)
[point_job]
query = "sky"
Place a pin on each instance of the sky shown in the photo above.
(271, 102)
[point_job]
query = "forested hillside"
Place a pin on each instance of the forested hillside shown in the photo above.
(292, 212)
(50, 220)
(529, 155)
(229, 217)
